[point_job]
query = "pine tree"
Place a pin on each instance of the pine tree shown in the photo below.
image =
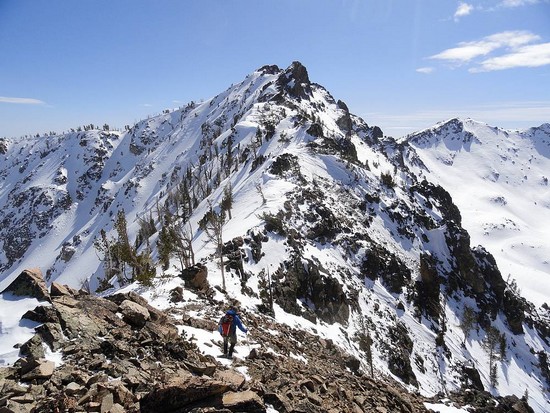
(468, 320)
(165, 246)
(227, 200)
(103, 246)
(214, 230)
(266, 292)
(490, 344)
(144, 268)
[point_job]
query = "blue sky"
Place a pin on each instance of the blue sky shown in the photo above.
(400, 64)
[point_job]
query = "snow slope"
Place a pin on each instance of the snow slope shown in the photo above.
(499, 180)
(352, 226)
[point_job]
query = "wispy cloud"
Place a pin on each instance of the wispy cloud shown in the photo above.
(517, 3)
(511, 115)
(21, 101)
(491, 6)
(527, 56)
(425, 70)
(147, 105)
(515, 48)
(463, 10)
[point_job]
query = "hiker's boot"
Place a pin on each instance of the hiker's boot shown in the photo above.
(230, 354)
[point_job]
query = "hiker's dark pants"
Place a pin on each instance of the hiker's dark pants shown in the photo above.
(230, 341)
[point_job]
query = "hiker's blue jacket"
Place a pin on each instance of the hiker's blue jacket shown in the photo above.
(236, 323)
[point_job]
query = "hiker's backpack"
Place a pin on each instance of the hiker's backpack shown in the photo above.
(226, 323)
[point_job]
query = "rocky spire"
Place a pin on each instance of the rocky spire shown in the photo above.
(295, 81)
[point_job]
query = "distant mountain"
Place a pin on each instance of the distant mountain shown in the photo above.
(320, 220)
(499, 181)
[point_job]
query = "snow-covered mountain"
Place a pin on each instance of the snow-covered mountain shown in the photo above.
(499, 181)
(349, 232)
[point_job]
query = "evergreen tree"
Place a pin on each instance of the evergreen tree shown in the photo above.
(214, 230)
(103, 246)
(227, 200)
(145, 271)
(468, 320)
(266, 292)
(491, 343)
(165, 246)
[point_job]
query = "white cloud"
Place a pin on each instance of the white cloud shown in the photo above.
(527, 56)
(515, 48)
(425, 70)
(510, 115)
(147, 105)
(463, 10)
(22, 101)
(517, 3)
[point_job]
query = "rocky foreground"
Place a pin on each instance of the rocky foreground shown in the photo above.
(122, 355)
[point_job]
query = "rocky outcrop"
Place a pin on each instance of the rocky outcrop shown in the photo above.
(322, 295)
(29, 283)
(116, 359)
(295, 81)
(196, 277)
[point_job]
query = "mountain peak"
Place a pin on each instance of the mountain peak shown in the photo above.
(269, 69)
(295, 81)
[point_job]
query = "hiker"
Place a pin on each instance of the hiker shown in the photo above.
(228, 329)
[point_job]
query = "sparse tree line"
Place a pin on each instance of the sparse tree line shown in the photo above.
(170, 216)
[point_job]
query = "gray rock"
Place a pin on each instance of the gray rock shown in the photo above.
(57, 290)
(51, 334)
(73, 388)
(133, 313)
(107, 403)
(180, 392)
(33, 348)
(29, 283)
(44, 370)
(244, 401)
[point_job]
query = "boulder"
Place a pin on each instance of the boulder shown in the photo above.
(134, 313)
(57, 290)
(42, 314)
(176, 295)
(51, 334)
(196, 277)
(179, 393)
(44, 370)
(29, 283)
(244, 401)
(233, 378)
(33, 348)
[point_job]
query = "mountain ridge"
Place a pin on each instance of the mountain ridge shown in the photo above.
(348, 228)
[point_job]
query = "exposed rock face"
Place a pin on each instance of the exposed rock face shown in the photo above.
(134, 314)
(181, 392)
(295, 81)
(3, 146)
(344, 122)
(29, 283)
(322, 295)
(196, 277)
